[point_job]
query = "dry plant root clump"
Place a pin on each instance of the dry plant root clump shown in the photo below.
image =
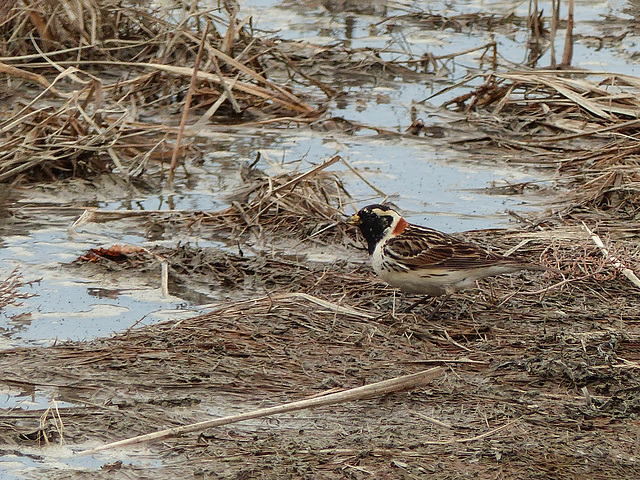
(11, 292)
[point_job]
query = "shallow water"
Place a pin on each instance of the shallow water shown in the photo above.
(432, 183)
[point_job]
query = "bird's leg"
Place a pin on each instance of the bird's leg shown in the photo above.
(437, 309)
(419, 302)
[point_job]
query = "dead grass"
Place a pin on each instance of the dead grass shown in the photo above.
(104, 65)
(303, 205)
(553, 102)
(79, 139)
(162, 41)
(12, 289)
(582, 124)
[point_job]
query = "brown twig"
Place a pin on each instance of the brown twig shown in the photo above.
(187, 104)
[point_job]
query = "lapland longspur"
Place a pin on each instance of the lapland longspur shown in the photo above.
(421, 260)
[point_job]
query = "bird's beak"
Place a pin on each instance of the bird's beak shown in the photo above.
(355, 220)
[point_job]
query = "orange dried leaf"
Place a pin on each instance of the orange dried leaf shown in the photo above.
(115, 253)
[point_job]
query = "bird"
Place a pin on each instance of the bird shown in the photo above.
(421, 260)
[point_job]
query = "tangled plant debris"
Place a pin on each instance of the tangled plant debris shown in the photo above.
(581, 124)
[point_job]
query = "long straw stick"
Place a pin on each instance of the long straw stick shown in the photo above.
(405, 382)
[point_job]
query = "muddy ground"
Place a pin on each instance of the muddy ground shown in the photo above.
(541, 369)
(537, 385)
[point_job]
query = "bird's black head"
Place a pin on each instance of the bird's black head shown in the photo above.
(374, 222)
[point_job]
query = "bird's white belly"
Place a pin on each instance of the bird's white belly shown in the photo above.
(431, 282)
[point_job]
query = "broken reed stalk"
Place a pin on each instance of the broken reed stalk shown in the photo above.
(568, 39)
(534, 26)
(405, 382)
(555, 10)
(29, 76)
(187, 104)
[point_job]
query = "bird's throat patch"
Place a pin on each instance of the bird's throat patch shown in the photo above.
(402, 224)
